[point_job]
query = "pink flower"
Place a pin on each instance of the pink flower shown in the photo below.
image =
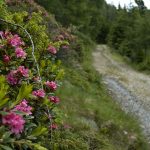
(23, 72)
(15, 41)
(52, 49)
(39, 93)
(54, 99)
(65, 47)
(12, 78)
(51, 84)
(23, 107)
(66, 126)
(14, 121)
(54, 126)
(20, 53)
(1, 46)
(6, 58)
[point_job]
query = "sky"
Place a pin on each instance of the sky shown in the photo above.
(127, 2)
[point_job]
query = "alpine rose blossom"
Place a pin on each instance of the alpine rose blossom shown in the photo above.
(14, 121)
(15, 41)
(39, 93)
(23, 107)
(51, 84)
(53, 126)
(23, 72)
(20, 53)
(6, 59)
(65, 46)
(52, 49)
(54, 99)
(12, 78)
(1, 46)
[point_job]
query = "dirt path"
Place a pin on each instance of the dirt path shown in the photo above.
(130, 88)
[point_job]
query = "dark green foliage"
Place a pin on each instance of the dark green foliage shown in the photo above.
(87, 16)
(129, 35)
(126, 30)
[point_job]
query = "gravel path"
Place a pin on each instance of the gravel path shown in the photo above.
(130, 88)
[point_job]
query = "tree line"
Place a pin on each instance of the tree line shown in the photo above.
(126, 30)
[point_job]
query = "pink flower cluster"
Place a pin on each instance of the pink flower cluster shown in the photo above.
(14, 121)
(5, 34)
(6, 58)
(53, 126)
(14, 76)
(15, 41)
(65, 46)
(23, 107)
(52, 49)
(20, 53)
(39, 93)
(22, 71)
(51, 84)
(54, 99)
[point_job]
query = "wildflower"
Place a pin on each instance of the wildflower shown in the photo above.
(23, 107)
(52, 49)
(6, 58)
(53, 126)
(66, 126)
(51, 84)
(15, 41)
(54, 99)
(23, 72)
(20, 53)
(1, 46)
(39, 93)
(65, 47)
(12, 78)
(14, 121)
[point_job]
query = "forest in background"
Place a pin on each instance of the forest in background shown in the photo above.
(126, 30)
(86, 117)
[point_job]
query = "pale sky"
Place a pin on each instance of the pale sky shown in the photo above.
(127, 2)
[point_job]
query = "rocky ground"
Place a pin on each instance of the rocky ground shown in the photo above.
(129, 87)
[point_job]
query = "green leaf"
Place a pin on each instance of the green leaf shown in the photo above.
(38, 147)
(38, 131)
(6, 135)
(4, 147)
(24, 92)
(3, 91)
(1, 2)
(3, 102)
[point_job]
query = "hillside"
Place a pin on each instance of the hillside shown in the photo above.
(130, 87)
(68, 104)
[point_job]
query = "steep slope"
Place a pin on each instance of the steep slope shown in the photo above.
(130, 87)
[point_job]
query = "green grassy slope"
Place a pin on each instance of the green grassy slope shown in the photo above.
(95, 119)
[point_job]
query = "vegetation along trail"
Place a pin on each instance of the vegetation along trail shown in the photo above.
(129, 87)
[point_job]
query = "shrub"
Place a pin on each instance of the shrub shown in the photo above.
(29, 76)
